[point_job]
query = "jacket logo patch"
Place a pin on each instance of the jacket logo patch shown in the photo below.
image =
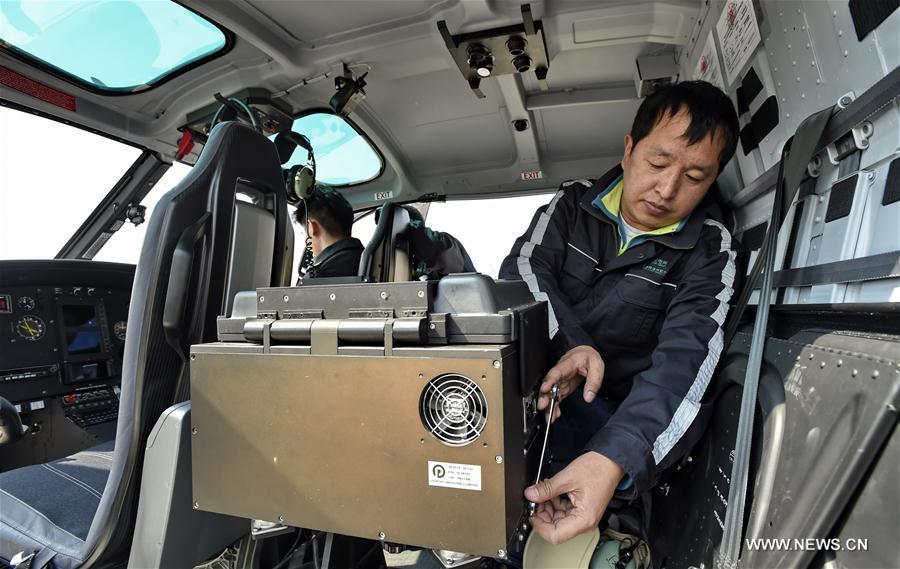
(657, 266)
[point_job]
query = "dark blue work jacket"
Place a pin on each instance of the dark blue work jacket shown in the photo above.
(654, 312)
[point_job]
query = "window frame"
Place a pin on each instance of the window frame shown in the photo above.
(63, 75)
(64, 252)
(330, 111)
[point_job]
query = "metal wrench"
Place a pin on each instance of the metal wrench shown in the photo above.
(554, 397)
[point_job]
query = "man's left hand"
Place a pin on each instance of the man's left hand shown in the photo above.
(581, 363)
(573, 501)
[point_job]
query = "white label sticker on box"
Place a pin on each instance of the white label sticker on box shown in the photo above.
(453, 475)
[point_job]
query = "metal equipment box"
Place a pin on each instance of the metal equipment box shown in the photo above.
(402, 411)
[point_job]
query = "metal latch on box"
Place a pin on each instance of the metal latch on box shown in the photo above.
(325, 335)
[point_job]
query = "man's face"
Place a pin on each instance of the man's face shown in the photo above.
(665, 178)
(316, 233)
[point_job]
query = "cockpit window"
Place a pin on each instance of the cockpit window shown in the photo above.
(122, 46)
(43, 202)
(343, 156)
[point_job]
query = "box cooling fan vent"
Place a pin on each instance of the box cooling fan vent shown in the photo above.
(453, 409)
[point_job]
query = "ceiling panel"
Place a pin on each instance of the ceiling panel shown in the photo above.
(439, 124)
(317, 21)
(583, 131)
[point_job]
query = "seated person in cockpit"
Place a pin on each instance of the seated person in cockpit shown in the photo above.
(435, 254)
(327, 217)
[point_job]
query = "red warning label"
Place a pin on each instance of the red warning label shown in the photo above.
(36, 89)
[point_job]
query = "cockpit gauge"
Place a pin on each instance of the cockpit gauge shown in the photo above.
(26, 303)
(119, 329)
(30, 327)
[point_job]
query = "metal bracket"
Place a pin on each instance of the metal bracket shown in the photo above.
(300, 314)
(324, 337)
(388, 338)
(267, 335)
(261, 529)
(814, 168)
(856, 139)
(370, 313)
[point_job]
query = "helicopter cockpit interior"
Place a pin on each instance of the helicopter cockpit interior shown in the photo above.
(173, 392)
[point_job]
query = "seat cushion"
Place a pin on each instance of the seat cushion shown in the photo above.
(52, 505)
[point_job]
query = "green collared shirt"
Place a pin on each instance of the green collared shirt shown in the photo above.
(609, 201)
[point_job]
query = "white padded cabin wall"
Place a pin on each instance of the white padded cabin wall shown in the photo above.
(810, 57)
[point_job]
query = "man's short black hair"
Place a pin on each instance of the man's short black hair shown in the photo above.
(710, 109)
(414, 213)
(330, 208)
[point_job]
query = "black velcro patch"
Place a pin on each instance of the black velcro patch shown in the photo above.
(748, 139)
(868, 14)
(752, 239)
(742, 106)
(752, 85)
(840, 199)
(892, 184)
(766, 118)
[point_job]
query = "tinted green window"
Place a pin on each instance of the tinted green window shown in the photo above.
(343, 155)
(113, 45)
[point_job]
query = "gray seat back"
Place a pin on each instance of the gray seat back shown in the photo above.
(386, 257)
(181, 286)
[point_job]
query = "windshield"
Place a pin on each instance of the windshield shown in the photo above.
(343, 155)
(121, 45)
(52, 176)
(469, 220)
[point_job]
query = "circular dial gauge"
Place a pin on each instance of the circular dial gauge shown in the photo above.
(30, 327)
(119, 329)
(26, 303)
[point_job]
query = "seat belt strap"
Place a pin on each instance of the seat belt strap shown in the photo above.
(36, 560)
(42, 558)
(797, 153)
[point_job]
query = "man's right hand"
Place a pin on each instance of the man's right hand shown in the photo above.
(579, 363)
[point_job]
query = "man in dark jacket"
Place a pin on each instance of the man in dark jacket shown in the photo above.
(435, 254)
(328, 219)
(638, 271)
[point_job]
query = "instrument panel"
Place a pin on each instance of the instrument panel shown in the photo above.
(63, 326)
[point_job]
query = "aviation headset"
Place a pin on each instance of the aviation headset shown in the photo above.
(300, 182)
(301, 178)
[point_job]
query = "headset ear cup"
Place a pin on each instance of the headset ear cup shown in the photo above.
(304, 181)
(289, 176)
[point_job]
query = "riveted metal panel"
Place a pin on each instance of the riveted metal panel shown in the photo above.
(841, 394)
(336, 443)
(827, 405)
